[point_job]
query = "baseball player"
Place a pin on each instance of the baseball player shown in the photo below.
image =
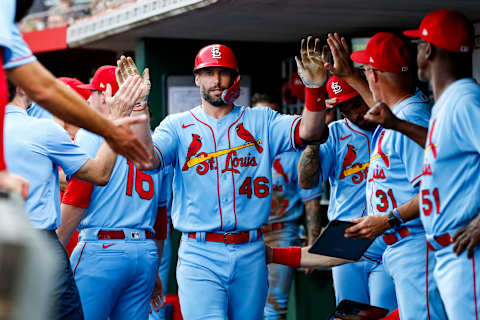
(450, 185)
(223, 156)
(23, 70)
(344, 160)
(117, 238)
(34, 149)
(288, 201)
(393, 179)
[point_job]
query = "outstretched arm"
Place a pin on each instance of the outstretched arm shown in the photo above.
(342, 67)
(297, 257)
(314, 75)
(41, 86)
(382, 115)
(373, 226)
(99, 170)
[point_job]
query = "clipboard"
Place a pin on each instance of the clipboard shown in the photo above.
(348, 309)
(332, 242)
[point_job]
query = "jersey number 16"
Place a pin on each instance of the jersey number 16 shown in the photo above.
(141, 178)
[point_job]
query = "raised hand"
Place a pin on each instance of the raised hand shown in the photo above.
(311, 66)
(342, 65)
(122, 103)
(381, 114)
(126, 67)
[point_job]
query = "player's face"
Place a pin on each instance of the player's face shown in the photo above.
(354, 110)
(369, 74)
(212, 82)
(97, 101)
(421, 61)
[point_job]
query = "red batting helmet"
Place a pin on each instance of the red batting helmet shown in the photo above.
(215, 55)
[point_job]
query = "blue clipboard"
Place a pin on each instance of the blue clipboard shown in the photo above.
(332, 242)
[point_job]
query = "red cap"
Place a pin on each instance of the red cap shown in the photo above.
(215, 55)
(103, 76)
(386, 52)
(297, 87)
(74, 83)
(447, 29)
(340, 89)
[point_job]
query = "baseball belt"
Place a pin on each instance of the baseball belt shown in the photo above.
(228, 237)
(439, 242)
(392, 238)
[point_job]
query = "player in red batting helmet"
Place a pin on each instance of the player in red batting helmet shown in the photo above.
(218, 55)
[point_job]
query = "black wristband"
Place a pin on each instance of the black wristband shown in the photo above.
(393, 221)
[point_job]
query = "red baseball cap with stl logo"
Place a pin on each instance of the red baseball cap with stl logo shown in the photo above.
(447, 29)
(386, 52)
(340, 89)
(103, 76)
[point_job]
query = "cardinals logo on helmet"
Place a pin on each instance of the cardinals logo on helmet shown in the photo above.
(247, 136)
(194, 147)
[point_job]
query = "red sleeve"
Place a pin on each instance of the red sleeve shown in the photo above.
(298, 140)
(3, 103)
(161, 222)
(392, 316)
(78, 193)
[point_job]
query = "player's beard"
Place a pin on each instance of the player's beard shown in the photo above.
(214, 101)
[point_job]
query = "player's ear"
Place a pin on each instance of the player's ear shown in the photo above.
(428, 51)
(197, 79)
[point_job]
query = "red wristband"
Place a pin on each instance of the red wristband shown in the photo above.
(287, 256)
(315, 99)
(139, 107)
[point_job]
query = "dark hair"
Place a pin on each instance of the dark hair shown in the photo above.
(12, 91)
(262, 97)
(22, 9)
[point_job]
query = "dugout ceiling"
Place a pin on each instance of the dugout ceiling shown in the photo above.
(280, 20)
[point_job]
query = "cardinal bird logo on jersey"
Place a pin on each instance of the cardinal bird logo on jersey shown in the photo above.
(348, 160)
(247, 136)
(194, 147)
(277, 166)
(380, 152)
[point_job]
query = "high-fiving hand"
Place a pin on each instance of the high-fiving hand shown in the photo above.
(342, 65)
(311, 66)
(126, 67)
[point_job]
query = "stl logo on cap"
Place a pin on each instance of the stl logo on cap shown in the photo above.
(336, 87)
(216, 53)
(102, 85)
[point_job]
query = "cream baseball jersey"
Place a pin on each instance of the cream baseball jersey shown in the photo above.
(223, 167)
